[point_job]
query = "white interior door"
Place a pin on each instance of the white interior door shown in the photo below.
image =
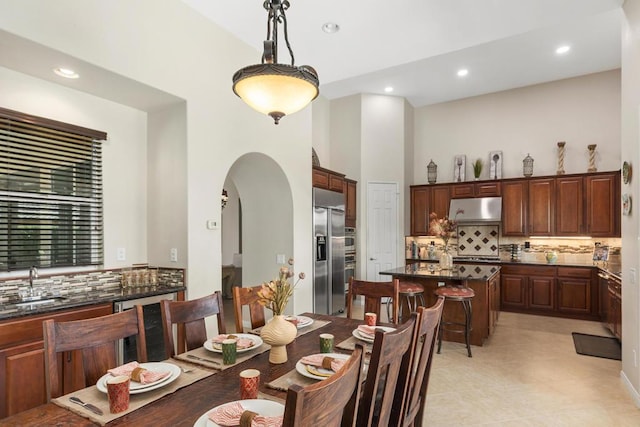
(382, 229)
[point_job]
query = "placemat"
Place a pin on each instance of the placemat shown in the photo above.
(350, 344)
(96, 397)
(210, 359)
(317, 324)
(291, 377)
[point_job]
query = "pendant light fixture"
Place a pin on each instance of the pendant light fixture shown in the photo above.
(272, 88)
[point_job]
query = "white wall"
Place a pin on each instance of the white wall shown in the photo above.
(167, 179)
(581, 111)
(178, 51)
(230, 224)
(124, 154)
(321, 130)
(630, 125)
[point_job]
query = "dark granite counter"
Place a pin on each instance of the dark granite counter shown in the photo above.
(9, 309)
(431, 270)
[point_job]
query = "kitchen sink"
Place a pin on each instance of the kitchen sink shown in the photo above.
(37, 300)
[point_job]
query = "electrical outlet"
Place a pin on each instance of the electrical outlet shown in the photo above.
(440, 284)
(632, 276)
(121, 254)
(173, 255)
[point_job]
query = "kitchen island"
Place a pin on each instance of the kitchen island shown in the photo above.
(484, 279)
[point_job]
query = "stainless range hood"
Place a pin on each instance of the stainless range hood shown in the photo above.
(478, 210)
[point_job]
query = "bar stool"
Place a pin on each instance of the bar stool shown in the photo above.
(414, 295)
(463, 295)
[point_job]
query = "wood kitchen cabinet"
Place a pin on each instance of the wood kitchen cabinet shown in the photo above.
(614, 307)
(602, 199)
(528, 288)
(475, 189)
(577, 291)
(22, 382)
(541, 209)
(327, 179)
(350, 190)
(426, 199)
(515, 194)
(494, 302)
(569, 219)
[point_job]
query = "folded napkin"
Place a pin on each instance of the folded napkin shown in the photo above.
(146, 376)
(324, 361)
(368, 331)
(231, 414)
(241, 343)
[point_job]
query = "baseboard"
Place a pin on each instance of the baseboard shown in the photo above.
(635, 396)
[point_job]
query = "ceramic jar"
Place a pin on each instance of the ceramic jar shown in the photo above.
(278, 332)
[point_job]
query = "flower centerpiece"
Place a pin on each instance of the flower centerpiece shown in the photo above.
(274, 295)
(444, 228)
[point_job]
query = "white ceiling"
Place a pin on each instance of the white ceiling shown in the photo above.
(417, 46)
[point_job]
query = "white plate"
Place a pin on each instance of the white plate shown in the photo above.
(267, 408)
(136, 387)
(304, 321)
(302, 368)
(359, 336)
(257, 342)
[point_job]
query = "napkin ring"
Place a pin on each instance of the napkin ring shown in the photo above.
(326, 362)
(246, 418)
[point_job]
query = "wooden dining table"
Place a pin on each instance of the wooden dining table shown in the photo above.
(184, 406)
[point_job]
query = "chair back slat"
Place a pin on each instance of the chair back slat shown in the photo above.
(248, 297)
(390, 351)
(332, 402)
(189, 317)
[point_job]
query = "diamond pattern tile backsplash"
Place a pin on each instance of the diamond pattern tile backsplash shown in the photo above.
(478, 240)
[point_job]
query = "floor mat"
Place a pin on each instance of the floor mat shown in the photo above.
(597, 346)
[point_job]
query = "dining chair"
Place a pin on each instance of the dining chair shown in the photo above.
(373, 293)
(415, 374)
(92, 348)
(332, 402)
(189, 317)
(391, 351)
(248, 297)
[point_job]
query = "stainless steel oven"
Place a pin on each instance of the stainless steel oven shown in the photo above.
(349, 266)
(349, 239)
(152, 327)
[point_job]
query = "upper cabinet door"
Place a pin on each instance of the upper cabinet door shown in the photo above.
(603, 207)
(420, 210)
(569, 206)
(514, 207)
(541, 207)
(440, 200)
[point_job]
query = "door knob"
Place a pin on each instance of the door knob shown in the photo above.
(372, 259)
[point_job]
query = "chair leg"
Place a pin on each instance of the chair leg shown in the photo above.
(440, 336)
(467, 328)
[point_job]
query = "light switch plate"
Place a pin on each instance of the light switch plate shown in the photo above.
(121, 254)
(280, 259)
(173, 255)
(632, 276)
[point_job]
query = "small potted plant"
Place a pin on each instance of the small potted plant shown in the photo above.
(477, 168)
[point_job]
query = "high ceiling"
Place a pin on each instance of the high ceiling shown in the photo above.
(417, 46)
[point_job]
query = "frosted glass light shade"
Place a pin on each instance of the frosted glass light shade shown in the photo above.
(276, 89)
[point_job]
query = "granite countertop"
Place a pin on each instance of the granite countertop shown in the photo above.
(10, 309)
(610, 267)
(426, 270)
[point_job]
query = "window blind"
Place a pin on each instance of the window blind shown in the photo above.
(50, 193)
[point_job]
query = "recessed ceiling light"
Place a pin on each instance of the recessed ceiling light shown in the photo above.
(388, 89)
(463, 72)
(331, 27)
(66, 72)
(563, 49)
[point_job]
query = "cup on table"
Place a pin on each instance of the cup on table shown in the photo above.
(229, 351)
(370, 319)
(118, 393)
(326, 343)
(249, 383)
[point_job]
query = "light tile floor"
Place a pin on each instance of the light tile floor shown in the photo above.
(526, 374)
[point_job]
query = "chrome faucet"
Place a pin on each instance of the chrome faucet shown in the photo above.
(33, 274)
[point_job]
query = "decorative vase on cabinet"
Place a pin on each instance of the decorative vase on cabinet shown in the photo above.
(278, 332)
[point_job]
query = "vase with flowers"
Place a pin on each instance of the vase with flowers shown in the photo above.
(274, 295)
(444, 228)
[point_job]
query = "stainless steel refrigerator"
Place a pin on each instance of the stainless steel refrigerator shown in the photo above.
(328, 252)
